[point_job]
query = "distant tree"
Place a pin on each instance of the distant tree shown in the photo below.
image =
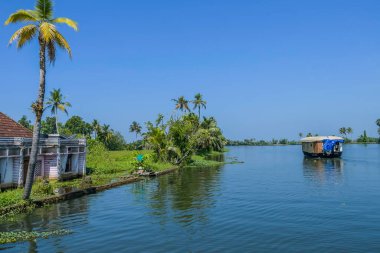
(76, 125)
(56, 102)
(363, 137)
(343, 131)
(159, 120)
(25, 122)
(48, 125)
(135, 128)
(378, 124)
(116, 141)
(95, 127)
(199, 103)
(309, 135)
(300, 135)
(182, 104)
(105, 134)
(350, 131)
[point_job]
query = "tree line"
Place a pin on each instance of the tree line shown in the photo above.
(174, 140)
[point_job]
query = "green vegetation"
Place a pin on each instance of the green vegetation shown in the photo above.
(254, 142)
(55, 103)
(10, 237)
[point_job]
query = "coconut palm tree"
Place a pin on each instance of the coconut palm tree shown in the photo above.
(96, 127)
(106, 132)
(41, 25)
(199, 103)
(182, 104)
(135, 127)
(55, 102)
(343, 131)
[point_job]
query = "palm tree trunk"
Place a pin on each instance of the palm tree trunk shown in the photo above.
(199, 113)
(56, 120)
(38, 109)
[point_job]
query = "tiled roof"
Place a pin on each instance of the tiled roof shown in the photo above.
(10, 128)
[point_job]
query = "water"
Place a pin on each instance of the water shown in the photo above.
(276, 201)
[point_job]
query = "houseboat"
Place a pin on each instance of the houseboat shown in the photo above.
(322, 146)
(59, 157)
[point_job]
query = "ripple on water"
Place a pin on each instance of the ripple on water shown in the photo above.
(276, 201)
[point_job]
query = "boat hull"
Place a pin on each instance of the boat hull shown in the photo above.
(323, 155)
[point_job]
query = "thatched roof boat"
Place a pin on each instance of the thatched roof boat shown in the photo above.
(322, 146)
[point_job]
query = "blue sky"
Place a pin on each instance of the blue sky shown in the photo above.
(267, 68)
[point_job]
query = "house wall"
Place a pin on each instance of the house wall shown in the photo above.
(82, 163)
(6, 170)
(16, 169)
(50, 167)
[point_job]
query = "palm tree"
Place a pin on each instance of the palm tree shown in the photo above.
(96, 127)
(343, 131)
(182, 104)
(300, 135)
(199, 103)
(378, 122)
(135, 127)
(105, 134)
(55, 102)
(160, 120)
(42, 26)
(349, 131)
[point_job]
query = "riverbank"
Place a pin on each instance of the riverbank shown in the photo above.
(108, 170)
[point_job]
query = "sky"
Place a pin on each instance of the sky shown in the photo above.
(267, 68)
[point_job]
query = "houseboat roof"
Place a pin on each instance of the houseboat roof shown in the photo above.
(320, 138)
(11, 129)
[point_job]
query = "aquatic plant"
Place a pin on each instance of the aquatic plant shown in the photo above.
(12, 237)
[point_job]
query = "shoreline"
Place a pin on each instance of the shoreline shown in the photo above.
(24, 207)
(27, 206)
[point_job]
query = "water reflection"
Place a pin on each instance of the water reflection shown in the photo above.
(184, 196)
(49, 219)
(322, 170)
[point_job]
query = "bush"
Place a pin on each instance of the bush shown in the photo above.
(42, 188)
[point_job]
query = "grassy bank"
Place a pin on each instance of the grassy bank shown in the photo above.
(104, 168)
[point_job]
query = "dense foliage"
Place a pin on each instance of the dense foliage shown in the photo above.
(182, 136)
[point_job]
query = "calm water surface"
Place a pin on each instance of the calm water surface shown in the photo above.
(277, 201)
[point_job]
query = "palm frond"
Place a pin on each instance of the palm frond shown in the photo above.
(44, 9)
(47, 32)
(62, 43)
(51, 51)
(22, 16)
(23, 35)
(66, 21)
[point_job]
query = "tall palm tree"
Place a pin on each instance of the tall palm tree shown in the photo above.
(378, 122)
(96, 127)
(199, 103)
(55, 102)
(135, 127)
(42, 26)
(182, 104)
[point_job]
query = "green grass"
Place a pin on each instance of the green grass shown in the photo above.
(122, 161)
